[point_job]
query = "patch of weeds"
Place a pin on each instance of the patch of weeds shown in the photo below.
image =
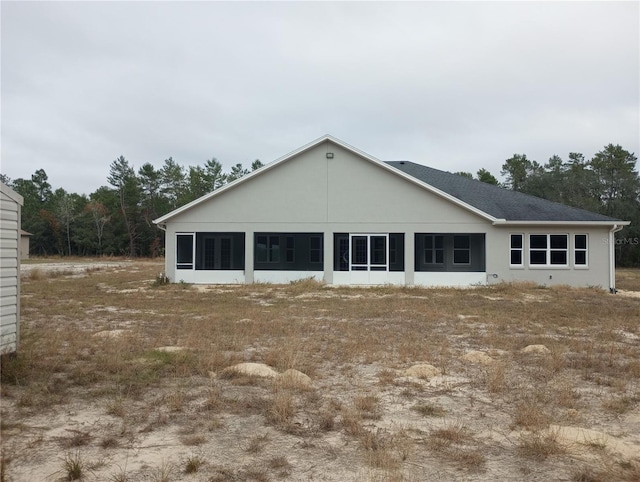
(193, 464)
(620, 405)
(176, 401)
(164, 473)
(367, 406)
(257, 443)
(259, 475)
(326, 420)
(352, 423)
(109, 442)
(77, 439)
(429, 410)
(116, 407)
(386, 377)
(450, 433)
(472, 460)
(496, 378)
(282, 408)
(73, 467)
(280, 462)
(194, 439)
(530, 415)
(540, 445)
(161, 280)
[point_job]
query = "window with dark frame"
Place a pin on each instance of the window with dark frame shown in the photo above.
(548, 249)
(268, 249)
(315, 249)
(434, 249)
(515, 250)
(184, 251)
(290, 249)
(461, 250)
(580, 250)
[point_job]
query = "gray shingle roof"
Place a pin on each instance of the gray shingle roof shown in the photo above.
(496, 201)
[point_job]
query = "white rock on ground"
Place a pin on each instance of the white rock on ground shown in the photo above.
(539, 349)
(170, 349)
(422, 370)
(110, 333)
(293, 377)
(478, 357)
(253, 369)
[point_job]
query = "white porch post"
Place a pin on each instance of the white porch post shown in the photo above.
(409, 258)
(328, 258)
(248, 257)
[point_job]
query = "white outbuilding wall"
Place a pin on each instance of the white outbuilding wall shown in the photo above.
(10, 208)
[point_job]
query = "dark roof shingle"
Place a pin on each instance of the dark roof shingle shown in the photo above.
(496, 201)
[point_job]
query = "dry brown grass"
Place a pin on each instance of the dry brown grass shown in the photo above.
(92, 342)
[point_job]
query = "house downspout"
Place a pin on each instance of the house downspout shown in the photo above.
(612, 257)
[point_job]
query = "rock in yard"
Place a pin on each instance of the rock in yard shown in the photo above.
(252, 369)
(422, 370)
(170, 349)
(478, 357)
(294, 378)
(539, 349)
(110, 333)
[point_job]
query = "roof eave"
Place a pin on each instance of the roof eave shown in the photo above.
(613, 222)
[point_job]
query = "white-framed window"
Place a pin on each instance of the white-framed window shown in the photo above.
(548, 250)
(184, 250)
(516, 249)
(580, 250)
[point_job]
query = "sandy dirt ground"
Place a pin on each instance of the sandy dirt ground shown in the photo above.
(152, 440)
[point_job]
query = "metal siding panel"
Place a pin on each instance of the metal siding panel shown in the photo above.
(9, 290)
(9, 326)
(8, 253)
(9, 214)
(9, 263)
(8, 310)
(8, 242)
(9, 271)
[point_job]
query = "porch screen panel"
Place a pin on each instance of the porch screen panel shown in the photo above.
(341, 251)
(219, 251)
(396, 251)
(289, 251)
(450, 252)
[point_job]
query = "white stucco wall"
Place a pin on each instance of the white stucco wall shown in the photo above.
(351, 194)
(595, 273)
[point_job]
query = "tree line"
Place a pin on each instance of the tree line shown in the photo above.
(117, 219)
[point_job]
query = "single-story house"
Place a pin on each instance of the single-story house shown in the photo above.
(10, 207)
(334, 213)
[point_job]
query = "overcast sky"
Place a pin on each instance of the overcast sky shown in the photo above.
(456, 86)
